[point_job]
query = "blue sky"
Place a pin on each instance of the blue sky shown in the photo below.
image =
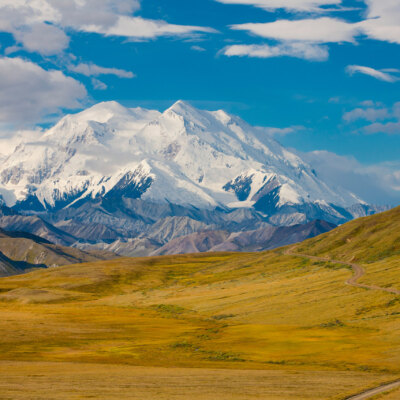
(325, 72)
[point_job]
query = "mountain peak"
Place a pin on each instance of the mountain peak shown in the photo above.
(188, 115)
(196, 157)
(102, 112)
(183, 108)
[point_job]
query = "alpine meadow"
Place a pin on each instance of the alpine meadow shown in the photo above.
(199, 200)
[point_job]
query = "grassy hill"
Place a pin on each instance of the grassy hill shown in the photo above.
(290, 318)
(365, 240)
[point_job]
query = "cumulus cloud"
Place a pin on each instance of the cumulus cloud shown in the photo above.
(302, 38)
(380, 21)
(28, 92)
(368, 114)
(319, 30)
(376, 184)
(290, 5)
(373, 112)
(382, 75)
(41, 25)
(306, 51)
(42, 38)
(95, 70)
(139, 28)
(383, 20)
(390, 128)
(273, 131)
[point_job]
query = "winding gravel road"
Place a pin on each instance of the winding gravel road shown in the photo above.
(358, 272)
(378, 390)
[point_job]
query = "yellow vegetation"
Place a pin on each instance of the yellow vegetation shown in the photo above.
(261, 311)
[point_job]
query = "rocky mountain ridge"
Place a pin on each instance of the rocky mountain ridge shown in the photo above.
(135, 179)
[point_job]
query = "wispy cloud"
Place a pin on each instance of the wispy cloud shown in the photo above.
(140, 28)
(377, 184)
(273, 131)
(290, 5)
(380, 21)
(98, 85)
(95, 70)
(198, 48)
(382, 75)
(307, 51)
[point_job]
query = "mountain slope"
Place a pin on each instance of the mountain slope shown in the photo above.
(20, 251)
(256, 240)
(183, 156)
(8, 267)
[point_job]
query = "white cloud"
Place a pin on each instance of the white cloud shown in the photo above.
(41, 25)
(390, 128)
(296, 38)
(28, 92)
(373, 112)
(79, 13)
(198, 48)
(42, 38)
(383, 20)
(139, 28)
(98, 85)
(290, 5)
(319, 30)
(394, 70)
(272, 131)
(307, 51)
(10, 139)
(29, 22)
(376, 184)
(396, 110)
(381, 75)
(371, 103)
(368, 114)
(95, 70)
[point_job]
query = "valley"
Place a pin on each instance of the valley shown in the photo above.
(275, 315)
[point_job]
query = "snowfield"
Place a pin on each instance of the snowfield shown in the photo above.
(184, 156)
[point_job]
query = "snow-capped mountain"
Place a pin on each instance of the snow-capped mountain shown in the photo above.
(183, 156)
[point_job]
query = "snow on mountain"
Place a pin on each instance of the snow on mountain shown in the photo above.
(184, 156)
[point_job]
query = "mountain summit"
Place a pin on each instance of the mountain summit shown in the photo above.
(184, 156)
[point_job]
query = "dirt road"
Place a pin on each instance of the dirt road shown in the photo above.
(358, 272)
(373, 392)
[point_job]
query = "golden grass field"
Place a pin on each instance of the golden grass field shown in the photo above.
(391, 395)
(246, 326)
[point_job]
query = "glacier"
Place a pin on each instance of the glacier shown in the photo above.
(183, 156)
